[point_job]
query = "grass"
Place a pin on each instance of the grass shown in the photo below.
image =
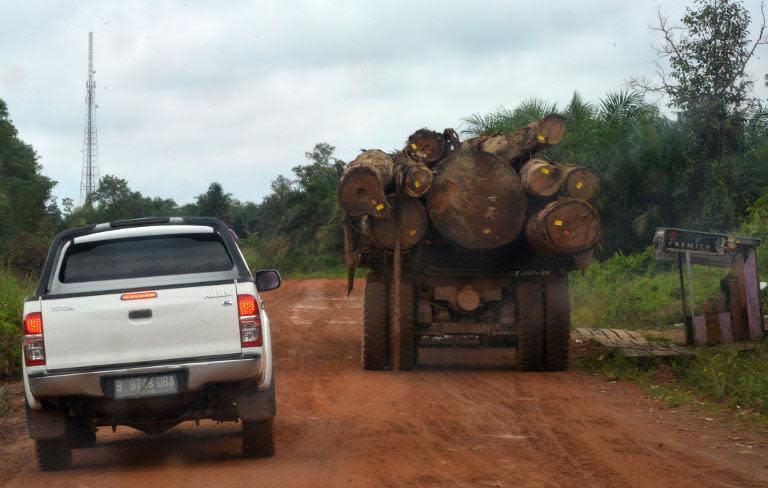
(13, 289)
(635, 292)
(723, 377)
(5, 401)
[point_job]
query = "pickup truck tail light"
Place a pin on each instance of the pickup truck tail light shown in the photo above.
(250, 321)
(32, 343)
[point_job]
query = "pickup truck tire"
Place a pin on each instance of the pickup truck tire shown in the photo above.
(375, 319)
(80, 433)
(53, 454)
(557, 327)
(530, 340)
(258, 438)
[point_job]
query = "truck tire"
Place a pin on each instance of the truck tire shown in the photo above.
(407, 325)
(258, 438)
(80, 433)
(53, 454)
(557, 328)
(375, 318)
(530, 339)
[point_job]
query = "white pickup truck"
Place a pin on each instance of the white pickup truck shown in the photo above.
(146, 323)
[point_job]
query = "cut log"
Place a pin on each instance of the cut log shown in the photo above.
(413, 224)
(476, 201)
(520, 145)
(413, 178)
(428, 146)
(579, 182)
(363, 184)
(539, 178)
(566, 226)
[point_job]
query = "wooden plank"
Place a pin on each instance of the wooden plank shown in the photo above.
(752, 286)
(726, 328)
(699, 330)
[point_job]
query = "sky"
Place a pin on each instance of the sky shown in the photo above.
(236, 92)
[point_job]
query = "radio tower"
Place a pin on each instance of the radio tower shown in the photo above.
(89, 179)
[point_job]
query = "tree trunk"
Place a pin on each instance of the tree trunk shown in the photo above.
(413, 224)
(579, 182)
(413, 178)
(429, 147)
(564, 227)
(540, 179)
(477, 200)
(363, 185)
(520, 145)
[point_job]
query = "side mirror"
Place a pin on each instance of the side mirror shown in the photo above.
(267, 279)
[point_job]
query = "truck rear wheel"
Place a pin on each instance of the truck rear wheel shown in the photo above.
(557, 328)
(530, 339)
(375, 319)
(258, 438)
(407, 325)
(53, 454)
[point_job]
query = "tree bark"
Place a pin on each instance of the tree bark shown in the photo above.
(579, 182)
(520, 145)
(565, 226)
(540, 179)
(363, 184)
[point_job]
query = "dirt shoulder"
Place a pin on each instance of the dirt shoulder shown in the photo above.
(435, 426)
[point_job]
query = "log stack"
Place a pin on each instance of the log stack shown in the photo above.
(480, 194)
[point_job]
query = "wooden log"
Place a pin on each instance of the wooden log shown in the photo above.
(579, 182)
(412, 223)
(430, 147)
(476, 201)
(540, 179)
(520, 145)
(413, 178)
(565, 226)
(363, 184)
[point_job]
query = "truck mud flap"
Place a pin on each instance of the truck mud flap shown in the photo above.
(256, 405)
(46, 424)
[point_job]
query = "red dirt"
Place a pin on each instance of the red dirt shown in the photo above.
(436, 426)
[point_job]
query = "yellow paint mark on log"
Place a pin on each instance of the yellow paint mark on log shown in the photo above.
(541, 138)
(417, 183)
(412, 232)
(545, 171)
(486, 231)
(579, 185)
(414, 146)
(380, 207)
(559, 223)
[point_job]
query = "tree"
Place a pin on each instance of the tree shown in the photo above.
(215, 203)
(706, 78)
(25, 194)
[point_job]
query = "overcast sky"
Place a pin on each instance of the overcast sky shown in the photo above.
(195, 92)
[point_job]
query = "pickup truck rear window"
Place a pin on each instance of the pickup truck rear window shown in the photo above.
(142, 257)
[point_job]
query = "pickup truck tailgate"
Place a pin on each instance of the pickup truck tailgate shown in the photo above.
(178, 323)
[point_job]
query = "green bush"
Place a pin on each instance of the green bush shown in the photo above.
(13, 289)
(635, 292)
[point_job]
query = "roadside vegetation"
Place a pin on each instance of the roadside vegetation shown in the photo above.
(705, 167)
(723, 378)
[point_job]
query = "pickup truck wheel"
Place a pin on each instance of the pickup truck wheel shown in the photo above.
(53, 454)
(407, 325)
(258, 438)
(375, 319)
(80, 433)
(557, 328)
(530, 340)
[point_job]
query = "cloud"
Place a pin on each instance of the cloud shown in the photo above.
(191, 93)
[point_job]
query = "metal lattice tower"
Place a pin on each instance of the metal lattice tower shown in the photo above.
(89, 179)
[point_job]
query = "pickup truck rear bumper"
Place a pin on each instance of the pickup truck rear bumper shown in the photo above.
(198, 374)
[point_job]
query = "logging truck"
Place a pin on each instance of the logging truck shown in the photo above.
(468, 244)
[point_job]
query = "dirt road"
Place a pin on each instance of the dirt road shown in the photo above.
(340, 426)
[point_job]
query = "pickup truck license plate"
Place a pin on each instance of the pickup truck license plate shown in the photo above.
(146, 386)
